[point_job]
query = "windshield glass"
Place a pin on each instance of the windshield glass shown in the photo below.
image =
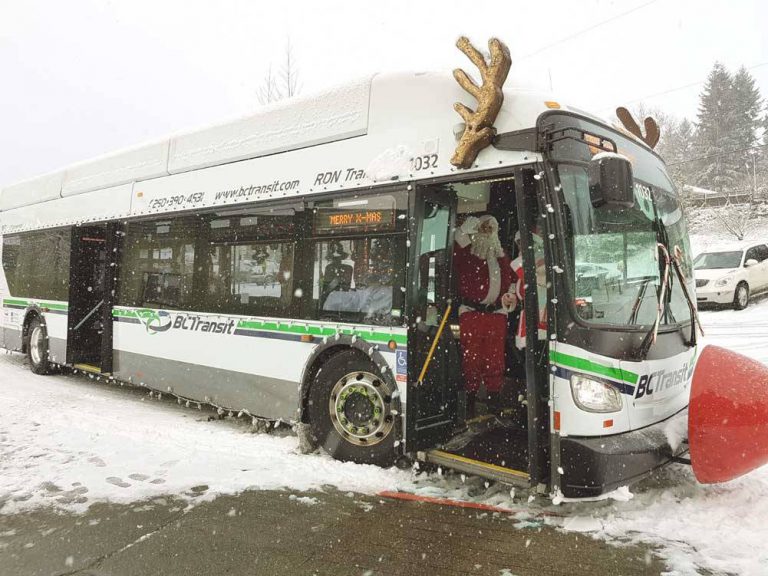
(613, 271)
(714, 260)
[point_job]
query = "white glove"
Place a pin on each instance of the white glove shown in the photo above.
(469, 226)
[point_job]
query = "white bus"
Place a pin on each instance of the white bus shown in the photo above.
(296, 265)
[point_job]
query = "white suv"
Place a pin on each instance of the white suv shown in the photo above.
(731, 275)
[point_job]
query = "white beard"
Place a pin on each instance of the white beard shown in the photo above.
(486, 246)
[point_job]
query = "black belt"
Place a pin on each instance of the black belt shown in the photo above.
(478, 306)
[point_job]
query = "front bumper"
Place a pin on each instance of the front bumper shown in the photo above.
(711, 295)
(595, 465)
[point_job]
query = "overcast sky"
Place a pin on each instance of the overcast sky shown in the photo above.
(79, 78)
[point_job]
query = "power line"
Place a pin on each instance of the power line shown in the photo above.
(677, 88)
(718, 154)
(585, 30)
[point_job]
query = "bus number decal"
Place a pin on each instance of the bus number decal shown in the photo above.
(424, 162)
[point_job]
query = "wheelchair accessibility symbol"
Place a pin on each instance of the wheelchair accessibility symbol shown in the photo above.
(401, 359)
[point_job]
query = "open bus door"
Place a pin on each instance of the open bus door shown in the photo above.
(433, 369)
(496, 446)
(91, 296)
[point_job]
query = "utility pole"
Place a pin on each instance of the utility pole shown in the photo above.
(753, 153)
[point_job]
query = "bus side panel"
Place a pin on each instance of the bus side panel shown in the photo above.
(238, 368)
(56, 323)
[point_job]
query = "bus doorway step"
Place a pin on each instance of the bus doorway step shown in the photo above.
(90, 368)
(478, 468)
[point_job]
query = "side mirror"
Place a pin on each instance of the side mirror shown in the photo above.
(750, 262)
(610, 181)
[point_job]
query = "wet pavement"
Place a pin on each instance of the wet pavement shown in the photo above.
(281, 533)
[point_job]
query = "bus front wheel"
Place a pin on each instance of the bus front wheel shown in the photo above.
(37, 348)
(351, 410)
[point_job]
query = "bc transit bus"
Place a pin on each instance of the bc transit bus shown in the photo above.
(296, 265)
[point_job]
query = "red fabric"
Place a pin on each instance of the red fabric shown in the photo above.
(472, 275)
(517, 267)
(482, 343)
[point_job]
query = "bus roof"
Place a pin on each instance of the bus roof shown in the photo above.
(381, 112)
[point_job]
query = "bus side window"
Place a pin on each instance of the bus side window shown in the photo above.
(355, 279)
(158, 263)
(262, 277)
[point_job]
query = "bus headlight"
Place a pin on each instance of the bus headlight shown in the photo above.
(594, 395)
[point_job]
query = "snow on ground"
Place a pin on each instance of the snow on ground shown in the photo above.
(721, 527)
(69, 441)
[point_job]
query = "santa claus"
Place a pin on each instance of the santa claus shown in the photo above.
(485, 286)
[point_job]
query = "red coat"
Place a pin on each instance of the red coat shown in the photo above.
(473, 280)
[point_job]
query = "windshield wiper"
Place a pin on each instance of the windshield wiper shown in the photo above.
(639, 299)
(665, 294)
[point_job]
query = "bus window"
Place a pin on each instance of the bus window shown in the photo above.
(36, 264)
(433, 256)
(254, 279)
(355, 279)
(158, 263)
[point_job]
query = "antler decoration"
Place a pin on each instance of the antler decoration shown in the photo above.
(479, 130)
(652, 132)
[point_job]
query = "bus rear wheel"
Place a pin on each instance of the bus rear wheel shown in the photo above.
(37, 348)
(351, 410)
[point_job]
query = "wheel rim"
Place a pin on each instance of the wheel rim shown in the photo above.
(36, 345)
(360, 409)
(743, 296)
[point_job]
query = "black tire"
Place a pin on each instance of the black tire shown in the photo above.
(741, 296)
(37, 348)
(342, 409)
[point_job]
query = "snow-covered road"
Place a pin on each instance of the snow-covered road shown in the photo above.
(70, 441)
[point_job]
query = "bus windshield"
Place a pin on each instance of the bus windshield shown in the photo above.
(615, 274)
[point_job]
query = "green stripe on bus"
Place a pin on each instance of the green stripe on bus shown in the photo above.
(320, 331)
(19, 302)
(589, 366)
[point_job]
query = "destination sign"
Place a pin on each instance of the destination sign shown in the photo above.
(334, 220)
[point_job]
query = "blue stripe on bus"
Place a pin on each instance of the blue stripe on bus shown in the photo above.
(566, 374)
(270, 335)
(127, 320)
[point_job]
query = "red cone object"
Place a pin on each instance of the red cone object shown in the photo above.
(727, 416)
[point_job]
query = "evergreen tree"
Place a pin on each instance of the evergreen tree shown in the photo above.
(747, 124)
(679, 152)
(719, 168)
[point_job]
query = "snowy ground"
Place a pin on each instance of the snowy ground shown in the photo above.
(69, 441)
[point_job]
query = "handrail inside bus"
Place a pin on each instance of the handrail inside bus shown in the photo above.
(91, 313)
(434, 343)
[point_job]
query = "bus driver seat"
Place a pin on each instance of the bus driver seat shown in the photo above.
(337, 276)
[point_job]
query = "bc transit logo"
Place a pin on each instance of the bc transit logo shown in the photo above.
(156, 320)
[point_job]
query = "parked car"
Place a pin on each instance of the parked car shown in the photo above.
(731, 275)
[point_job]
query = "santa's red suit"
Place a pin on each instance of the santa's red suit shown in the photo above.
(481, 283)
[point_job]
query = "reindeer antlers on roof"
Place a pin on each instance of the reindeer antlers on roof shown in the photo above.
(652, 132)
(479, 130)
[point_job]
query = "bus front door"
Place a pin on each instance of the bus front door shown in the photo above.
(433, 372)
(91, 294)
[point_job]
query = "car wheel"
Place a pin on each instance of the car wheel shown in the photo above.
(352, 410)
(741, 296)
(37, 348)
